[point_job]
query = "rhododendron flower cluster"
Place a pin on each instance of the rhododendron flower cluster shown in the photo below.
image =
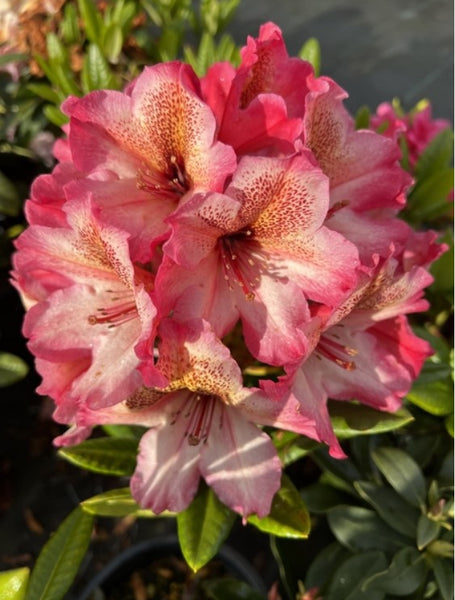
(195, 227)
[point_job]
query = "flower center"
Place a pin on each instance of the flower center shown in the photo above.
(337, 353)
(238, 265)
(198, 411)
(170, 184)
(122, 310)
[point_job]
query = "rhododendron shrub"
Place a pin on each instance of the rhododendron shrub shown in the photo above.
(194, 228)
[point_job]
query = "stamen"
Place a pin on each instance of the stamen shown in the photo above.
(114, 315)
(336, 352)
(200, 414)
(336, 207)
(233, 268)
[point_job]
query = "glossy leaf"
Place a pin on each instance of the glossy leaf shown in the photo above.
(436, 155)
(427, 531)
(443, 571)
(110, 456)
(12, 368)
(230, 589)
(324, 566)
(203, 527)
(13, 584)
(348, 580)
(132, 432)
(349, 420)
(288, 517)
(403, 474)
(360, 529)
(320, 497)
(117, 503)
(59, 560)
(405, 574)
(390, 506)
(292, 446)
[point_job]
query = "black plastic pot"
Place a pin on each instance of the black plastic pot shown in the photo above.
(144, 553)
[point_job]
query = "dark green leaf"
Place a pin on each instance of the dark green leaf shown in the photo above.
(390, 506)
(343, 469)
(348, 579)
(437, 155)
(10, 202)
(12, 368)
(13, 584)
(292, 446)
(288, 516)
(203, 527)
(110, 456)
(405, 574)
(320, 497)
(429, 197)
(60, 558)
(230, 589)
(427, 531)
(443, 571)
(311, 52)
(361, 529)
(403, 474)
(442, 270)
(350, 419)
(324, 565)
(117, 503)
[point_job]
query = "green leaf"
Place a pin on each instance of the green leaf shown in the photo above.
(403, 474)
(443, 571)
(55, 50)
(349, 420)
(91, 19)
(69, 27)
(437, 155)
(59, 560)
(288, 516)
(230, 589)
(113, 42)
(13, 584)
(390, 506)
(110, 456)
(133, 432)
(441, 548)
(12, 57)
(435, 397)
(203, 527)
(96, 73)
(324, 565)
(311, 51)
(406, 573)
(427, 531)
(117, 503)
(362, 118)
(348, 579)
(10, 202)
(45, 91)
(320, 497)
(12, 368)
(429, 197)
(449, 422)
(292, 446)
(360, 529)
(55, 115)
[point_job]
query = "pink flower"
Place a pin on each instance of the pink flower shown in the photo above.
(365, 350)
(202, 424)
(258, 252)
(418, 128)
(91, 308)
